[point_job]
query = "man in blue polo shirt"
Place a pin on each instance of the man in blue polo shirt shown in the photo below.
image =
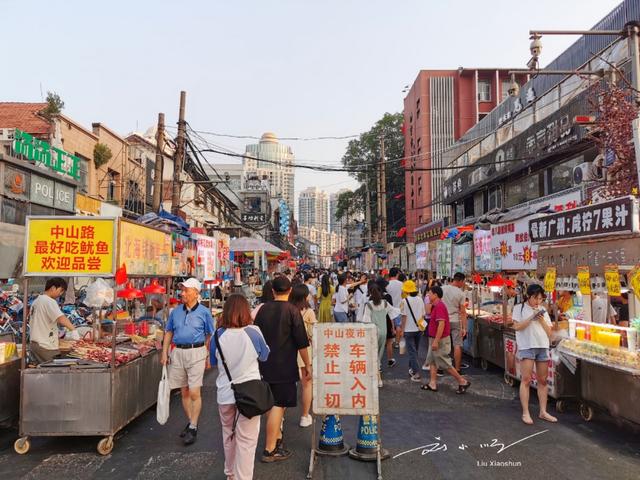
(189, 327)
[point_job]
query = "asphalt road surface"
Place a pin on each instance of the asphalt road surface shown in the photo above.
(429, 435)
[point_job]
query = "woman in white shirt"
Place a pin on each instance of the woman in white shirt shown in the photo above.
(413, 313)
(243, 346)
(375, 311)
(533, 331)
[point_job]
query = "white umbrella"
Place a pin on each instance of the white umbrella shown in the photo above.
(246, 244)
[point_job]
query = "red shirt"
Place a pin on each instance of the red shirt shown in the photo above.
(439, 313)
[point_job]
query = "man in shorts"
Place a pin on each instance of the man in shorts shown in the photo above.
(189, 327)
(440, 344)
(454, 300)
(283, 329)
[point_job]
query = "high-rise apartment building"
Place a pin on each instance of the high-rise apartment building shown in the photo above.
(337, 226)
(275, 161)
(313, 209)
(438, 109)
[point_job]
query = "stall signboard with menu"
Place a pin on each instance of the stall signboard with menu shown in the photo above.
(223, 252)
(206, 261)
(612, 280)
(422, 255)
(70, 246)
(462, 258)
(443, 258)
(144, 250)
(183, 255)
(483, 254)
(511, 243)
(513, 366)
(345, 369)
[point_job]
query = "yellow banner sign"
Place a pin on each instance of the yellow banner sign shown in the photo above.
(69, 246)
(584, 280)
(550, 279)
(634, 280)
(612, 279)
(145, 251)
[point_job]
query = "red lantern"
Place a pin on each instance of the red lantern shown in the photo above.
(477, 278)
(130, 292)
(154, 288)
(496, 281)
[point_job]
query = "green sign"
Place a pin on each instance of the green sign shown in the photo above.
(41, 152)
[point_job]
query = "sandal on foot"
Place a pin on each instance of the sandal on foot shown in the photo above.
(463, 388)
(548, 418)
(525, 421)
(426, 386)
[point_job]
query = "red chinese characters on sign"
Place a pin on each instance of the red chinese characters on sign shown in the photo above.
(71, 249)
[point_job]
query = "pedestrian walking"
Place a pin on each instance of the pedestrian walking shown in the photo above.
(298, 298)
(455, 301)
(533, 331)
(283, 329)
(440, 344)
(243, 346)
(310, 282)
(189, 328)
(341, 308)
(391, 328)
(267, 296)
(376, 311)
(413, 324)
(360, 295)
(325, 295)
(394, 288)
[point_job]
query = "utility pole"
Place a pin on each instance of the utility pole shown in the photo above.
(383, 193)
(178, 161)
(633, 43)
(159, 167)
(378, 203)
(367, 211)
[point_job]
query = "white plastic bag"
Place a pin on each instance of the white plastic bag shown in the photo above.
(164, 392)
(99, 294)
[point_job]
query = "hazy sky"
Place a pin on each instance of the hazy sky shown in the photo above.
(297, 68)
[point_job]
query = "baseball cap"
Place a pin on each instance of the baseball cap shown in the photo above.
(191, 283)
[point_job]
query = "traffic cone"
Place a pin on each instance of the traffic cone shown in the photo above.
(331, 439)
(366, 448)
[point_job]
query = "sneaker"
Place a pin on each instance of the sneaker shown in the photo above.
(380, 384)
(396, 345)
(391, 363)
(415, 378)
(411, 372)
(191, 436)
(184, 432)
(440, 373)
(277, 455)
(306, 421)
(464, 366)
(425, 367)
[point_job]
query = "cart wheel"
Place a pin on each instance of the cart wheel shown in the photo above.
(586, 412)
(484, 365)
(561, 406)
(22, 445)
(105, 446)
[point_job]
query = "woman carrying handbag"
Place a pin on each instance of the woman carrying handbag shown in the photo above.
(238, 346)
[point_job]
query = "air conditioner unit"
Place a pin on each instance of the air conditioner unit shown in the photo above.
(588, 172)
(7, 134)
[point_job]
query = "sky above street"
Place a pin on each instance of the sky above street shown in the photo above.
(296, 68)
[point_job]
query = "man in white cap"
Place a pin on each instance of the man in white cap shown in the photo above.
(190, 327)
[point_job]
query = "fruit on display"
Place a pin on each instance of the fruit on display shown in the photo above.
(602, 354)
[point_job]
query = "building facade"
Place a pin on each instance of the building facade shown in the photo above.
(313, 208)
(534, 148)
(336, 226)
(440, 106)
(275, 161)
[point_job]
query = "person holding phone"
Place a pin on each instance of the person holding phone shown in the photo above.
(533, 332)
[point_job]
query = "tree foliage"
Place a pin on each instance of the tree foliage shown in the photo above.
(349, 205)
(54, 107)
(101, 154)
(363, 155)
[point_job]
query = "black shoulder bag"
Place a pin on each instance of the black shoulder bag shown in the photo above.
(253, 397)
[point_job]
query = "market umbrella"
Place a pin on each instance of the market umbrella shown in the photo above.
(246, 244)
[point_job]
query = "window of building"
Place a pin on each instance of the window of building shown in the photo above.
(420, 219)
(522, 190)
(468, 207)
(562, 175)
(14, 211)
(412, 202)
(484, 91)
(42, 210)
(494, 201)
(506, 85)
(459, 212)
(419, 180)
(112, 186)
(478, 203)
(412, 180)
(419, 191)
(83, 168)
